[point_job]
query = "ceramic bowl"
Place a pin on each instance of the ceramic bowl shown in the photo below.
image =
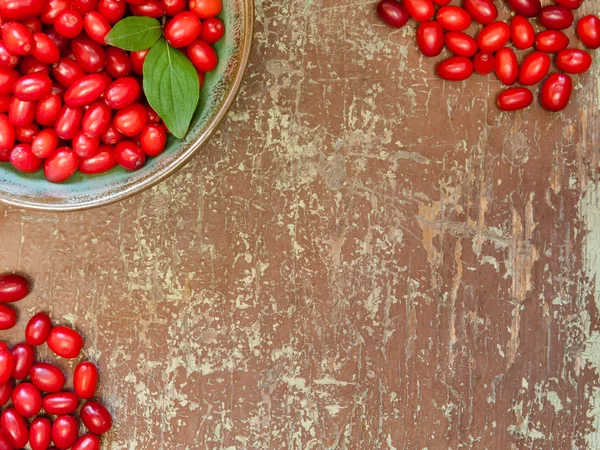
(33, 191)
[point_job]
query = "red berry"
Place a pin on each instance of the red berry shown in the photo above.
(65, 432)
(65, 342)
(96, 26)
(130, 155)
(556, 92)
(47, 377)
(588, 30)
(96, 417)
(23, 357)
(27, 399)
(153, 139)
(24, 160)
(213, 28)
(40, 433)
(15, 426)
(68, 24)
(102, 162)
(183, 29)
(131, 120)
(39, 326)
(206, 9)
(61, 403)
(203, 56)
(18, 39)
(60, 166)
(85, 379)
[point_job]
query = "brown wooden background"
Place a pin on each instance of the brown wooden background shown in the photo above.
(364, 257)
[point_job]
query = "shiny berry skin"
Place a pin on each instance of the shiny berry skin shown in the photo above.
(87, 442)
(118, 64)
(65, 341)
(33, 87)
(15, 426)
(137, 61)
(122, 93)
(8, 316)
(27, 399)
(8, 78)
(456, 68)
(4, 102)
(453, 18)
(13, 288)
(129, 155)
(131, 120)
(96, 26)
(85, 90)
(526, 8)
(23, 358)
(6, 365)
(111, 136)
(149, 8)
(85, 146)
(534, 68)
(153, 139)
(29, 65)
(173, 7)
(61, 403)
(65, 432)
(20, 9)
(206, 9)
(556, 92)
(8, 59)
(430, 38)
(588, 30)
(507, 66)
(391, 12)
(570, 4)
(573, 60)
(96, 417)
(26, 134)
(85, 379)
(47, 377)
(84, 6)
(40, 433)
(67, 72)
(183, 29)
(24, 160)
(6, 392)
(556, 17)
(90, 55)
(47, 110)
(17, 38)
(102, 162)
(460, 44)
(482, 11)
(522, 34)
(68, 24)
(96, 119)
(213, 29)
(21, 113)
(493, 37)
(43, 145)
(52, 9)
(420, 10)
(33, 24)
(203, 56)
(45, 50)
(39, 326)
(7, 141)
(68, 122)
(112, 10)
(60, 166)
(551, 41)
(5, 441)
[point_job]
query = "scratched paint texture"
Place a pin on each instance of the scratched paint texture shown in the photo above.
(364, 257)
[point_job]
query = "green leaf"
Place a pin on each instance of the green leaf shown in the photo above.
(135, 33)
(171, 86)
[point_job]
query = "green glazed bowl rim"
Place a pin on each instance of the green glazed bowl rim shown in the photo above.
(155, 177)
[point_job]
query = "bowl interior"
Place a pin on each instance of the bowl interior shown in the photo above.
(86, 191)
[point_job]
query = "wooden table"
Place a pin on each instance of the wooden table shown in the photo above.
(364, 257)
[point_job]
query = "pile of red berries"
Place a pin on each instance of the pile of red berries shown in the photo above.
(27, 387)
(70, 102)
(488, 51)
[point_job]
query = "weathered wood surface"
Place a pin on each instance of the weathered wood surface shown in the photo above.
(364, 257)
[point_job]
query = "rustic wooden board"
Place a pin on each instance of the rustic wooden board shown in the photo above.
(364, 257)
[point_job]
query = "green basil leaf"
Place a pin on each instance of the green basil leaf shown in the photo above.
(135, 33)
(171, 86)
